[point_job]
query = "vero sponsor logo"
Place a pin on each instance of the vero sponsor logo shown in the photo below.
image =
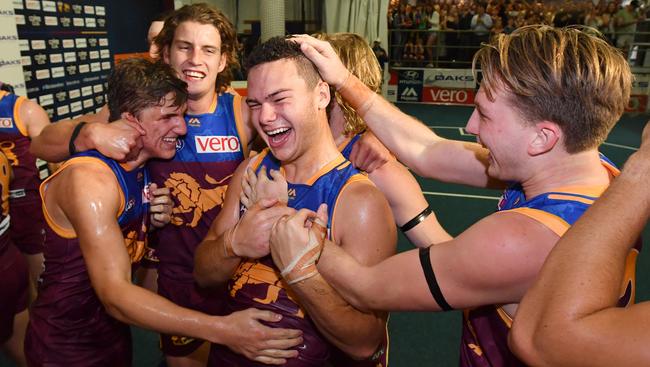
(217, 144)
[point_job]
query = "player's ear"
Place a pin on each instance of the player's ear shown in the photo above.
(128, 116)
(323, 95)
(547, 135)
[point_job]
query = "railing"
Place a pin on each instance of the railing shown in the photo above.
(455, 48)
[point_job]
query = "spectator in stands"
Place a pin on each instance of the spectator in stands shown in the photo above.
(625, 24)
(451, 37)
(481, 25)
(498, 26)
(465, 25)
(380, 53)
(593, 18)
(607, 16)
(432, 40)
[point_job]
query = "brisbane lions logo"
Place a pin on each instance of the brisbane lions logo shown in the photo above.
(7, 148)
(192, 199)
(135, 246)
(266, 282)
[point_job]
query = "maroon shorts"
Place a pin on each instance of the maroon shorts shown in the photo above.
(189, 295)
(14, 289)
(27, 224)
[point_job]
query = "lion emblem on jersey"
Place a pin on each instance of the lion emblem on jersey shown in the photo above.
(134, 246)
(192, 199)
(8, 149)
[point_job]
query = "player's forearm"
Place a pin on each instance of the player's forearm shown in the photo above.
(356, 333)
(400, 133)
(52, 144)
(406, 201)
(212, 266)
(137, 306)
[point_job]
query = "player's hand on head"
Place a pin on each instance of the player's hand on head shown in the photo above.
(246, 335)
(325, 58)
(119, 140)
(369, 153)
(251, 236)
(160, 205)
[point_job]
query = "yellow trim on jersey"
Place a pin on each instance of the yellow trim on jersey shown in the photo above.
(571, 198)
(258, 159)
(326, 168)
(17, 120)
(354, 178)
(239, 123)
(65, 232)
(213, 105)
(3, 93)
(595, 190)
(504, 316)
(630, 274)
(344, 143)
(5, 179)
(553, 222)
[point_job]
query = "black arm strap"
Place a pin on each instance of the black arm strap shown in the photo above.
(416, 220)
(434, 288)
(77, 129)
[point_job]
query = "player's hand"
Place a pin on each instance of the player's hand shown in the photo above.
(297, 242)
(260, 187)
(160, 205)
(251, 236)
(119, 140)
(325, 58)
(369, 153)
(245, 335)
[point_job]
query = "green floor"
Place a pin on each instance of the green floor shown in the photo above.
(428, 339)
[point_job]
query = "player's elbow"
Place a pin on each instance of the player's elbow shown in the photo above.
(113, 301)
(204, 279)
(364, 349)
(537, 344)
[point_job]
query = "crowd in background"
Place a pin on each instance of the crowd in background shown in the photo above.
(433, 32)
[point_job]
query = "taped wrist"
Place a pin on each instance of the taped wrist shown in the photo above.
(303, 266)
(228, 239)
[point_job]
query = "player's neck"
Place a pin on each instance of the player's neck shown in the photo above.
(312, 161)
(337, 125)
(574, 170)
(201, 104)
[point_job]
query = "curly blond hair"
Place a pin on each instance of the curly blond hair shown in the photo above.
(358, 57)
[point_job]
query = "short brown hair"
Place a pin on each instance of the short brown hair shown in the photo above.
(203, 13)
(570, 76)
(135, 84)
(360, 59)
(280, 48)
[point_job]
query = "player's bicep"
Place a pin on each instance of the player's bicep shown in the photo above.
(363, 224)
(91, 205)
(34, 117)
(494, 261)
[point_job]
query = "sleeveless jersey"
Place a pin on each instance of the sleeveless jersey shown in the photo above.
(485, 329)
(197, 178)
(257, 282)
(14, 142)
(68, 323)
(346, 146)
